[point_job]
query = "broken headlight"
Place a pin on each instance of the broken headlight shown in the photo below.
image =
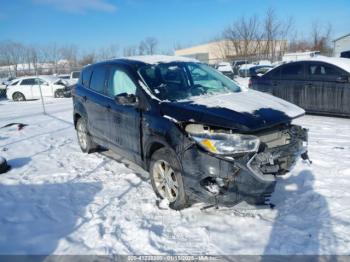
(222, 143)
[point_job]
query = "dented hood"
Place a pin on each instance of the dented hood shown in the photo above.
(245, 111)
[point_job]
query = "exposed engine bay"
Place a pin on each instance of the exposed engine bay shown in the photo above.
(244, 166)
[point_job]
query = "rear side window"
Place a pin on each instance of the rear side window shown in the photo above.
(85, 76)
(292, 71)
(98, 79)
(26, 82)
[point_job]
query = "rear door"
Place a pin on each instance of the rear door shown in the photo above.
(290, 86)
(124, 119)
(96, 102)
(325, 89)
(267, 83)
(27, 87)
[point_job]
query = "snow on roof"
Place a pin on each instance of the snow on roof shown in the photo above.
(343, 63)
(156, 59)
(50, 79)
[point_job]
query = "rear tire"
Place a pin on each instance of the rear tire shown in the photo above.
(87, 145)
(165, 171)
(17, 96)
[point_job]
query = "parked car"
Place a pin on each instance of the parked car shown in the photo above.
(226, 69)
(345, 54)
(244, 69)
(64, 76)
(236, 65)
(4, 82)
(319, 85)
(198, 134)
(26, 88)
(254, 70)
(73, 77)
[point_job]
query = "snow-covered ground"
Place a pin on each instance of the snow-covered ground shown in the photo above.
(242, 81)
(57, 200)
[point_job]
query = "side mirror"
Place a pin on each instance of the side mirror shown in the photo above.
(343, 79)
(126, 99)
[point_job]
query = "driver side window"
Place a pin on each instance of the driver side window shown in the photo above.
(119, 83)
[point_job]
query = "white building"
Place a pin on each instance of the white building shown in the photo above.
(342, 45)
(228, 50)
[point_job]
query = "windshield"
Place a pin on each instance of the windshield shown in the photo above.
(183, 80)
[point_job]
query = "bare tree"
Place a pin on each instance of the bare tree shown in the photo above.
(130, 51)
(274, 31)
(52, 54)
(32, 58)
(88, 58)
(243, 37)
(108, 52)
(148, 46)
(69, 53)
(321, 37)
(13, 54)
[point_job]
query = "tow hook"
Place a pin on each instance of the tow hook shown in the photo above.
(305, 157)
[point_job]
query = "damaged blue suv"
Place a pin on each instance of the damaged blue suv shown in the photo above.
(200, 136)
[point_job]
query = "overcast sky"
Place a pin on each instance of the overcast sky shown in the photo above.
(97, 23)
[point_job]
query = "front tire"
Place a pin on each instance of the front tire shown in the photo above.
(86, 144)
(166, 178)
(59, 94)
(18, 97)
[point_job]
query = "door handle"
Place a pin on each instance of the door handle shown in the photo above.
(308, 85)
(275, 83)
(84, 98)
(108, 107)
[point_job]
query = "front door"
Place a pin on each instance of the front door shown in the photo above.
(324, 90)
(45, 87)
(124, 119)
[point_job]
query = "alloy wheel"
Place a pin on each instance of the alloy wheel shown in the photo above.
(165, 180)
(82, 134)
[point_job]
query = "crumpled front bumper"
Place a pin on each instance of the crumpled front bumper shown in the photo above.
(229, 180)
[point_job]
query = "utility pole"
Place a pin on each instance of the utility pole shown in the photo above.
(41, 93)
